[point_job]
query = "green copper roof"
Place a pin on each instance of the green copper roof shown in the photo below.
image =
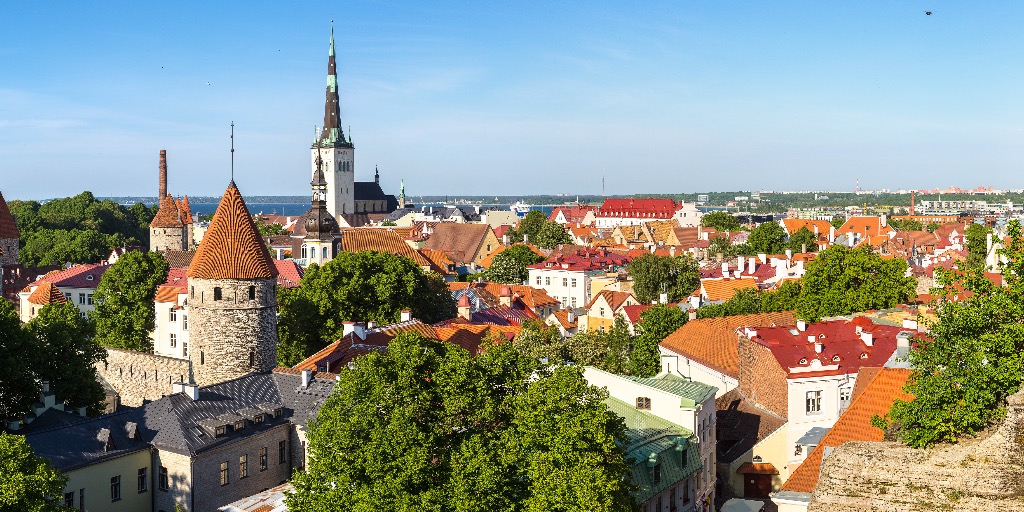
(692, 393)
(655, 441)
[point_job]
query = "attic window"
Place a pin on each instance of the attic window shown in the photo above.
(803, 360)
(219, 431)
(258, 419)
(240, 424)
(89, 277)
(863, 355)
(821, 336)
(277, 412)
(835, 358)
(757, 458)
(643, 402)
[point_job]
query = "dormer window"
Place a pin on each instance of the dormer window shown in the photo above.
(258, 419)
(643, 403)
(835, 358)
(219, 431)
(821, 336)
(278, 412)
(90, 277)
(803, 360)
(657, 473)
(863, 355)
(239, 425)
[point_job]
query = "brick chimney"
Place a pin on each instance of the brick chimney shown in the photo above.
(163, 175)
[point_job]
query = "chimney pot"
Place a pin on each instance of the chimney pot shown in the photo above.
(819, 347)
(801, 325)
(406, 315)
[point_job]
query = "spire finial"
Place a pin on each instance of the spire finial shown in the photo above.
(232, 151)
(330, 53)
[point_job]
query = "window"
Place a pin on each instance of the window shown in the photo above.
(324, 257)
(69, 499)
(257, 419)
(81, 499)
(81, 298)
(574, 302)
(219, 431)
(282, 452)
(813, 402)
(302, 455)
(164, 481)
(88, 299)
(252, 289)
(115, 488)
(239, 425)
(143, 481)
(657, 477)
(173, 316)
(601, 312)
(184, 349)
(243, 466)
(216, 293)
(844, 396)
(547, 281)
(538, 280)
(202, 357)
(174, 340)
(252, 359)
(184, 322)
(643, 402)
(224, 473)
(263, 458)
(573, 282)
(565, 281)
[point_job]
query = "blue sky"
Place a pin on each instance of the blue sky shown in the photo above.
(514, 97)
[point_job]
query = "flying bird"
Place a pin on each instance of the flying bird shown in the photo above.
(927, 13)
(207, 83)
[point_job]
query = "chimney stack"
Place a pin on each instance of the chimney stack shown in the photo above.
(163, 175)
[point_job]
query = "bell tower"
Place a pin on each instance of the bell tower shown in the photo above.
(333, 150)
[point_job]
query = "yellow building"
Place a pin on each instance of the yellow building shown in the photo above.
(603, 309)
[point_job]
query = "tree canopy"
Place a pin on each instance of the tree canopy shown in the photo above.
(652, 274)
(509, 266)
(426, 427)
(27, 483)
(750, 301)
(971, 360)
(66, 355)
(803, 239)
(18, 388)
(78, 229)
(842, 280)
(976, 237)
(655, 325)
(722, 221)
(768, 238)
(536, 229)
(359, 287)
(125, 313)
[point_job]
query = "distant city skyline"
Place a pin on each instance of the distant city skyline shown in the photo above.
(514, 99)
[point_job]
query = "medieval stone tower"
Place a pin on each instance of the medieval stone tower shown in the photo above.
(9, 236)
(336, 153)
(171, 228)
(232, 297)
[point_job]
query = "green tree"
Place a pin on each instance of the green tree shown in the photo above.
(842, 281)
(509, 266)
(909, 225)
(932, 227)
(655, 325)
(976, 236)
(529, 227)
(125, 313)
(652, 274)
(837, 222)
(768, 238)
(722, 221)
(425, 426)
(18, 388)
(269, 229)
(364, 286)
(66, 354)
(803, 238)
(27, 483)
(551, 235)
(721, 245)
(972, 358)
(538, 341)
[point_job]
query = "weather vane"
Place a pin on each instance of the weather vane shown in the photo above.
(232, 151)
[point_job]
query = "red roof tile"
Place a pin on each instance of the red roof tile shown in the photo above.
(842, 343)
(168, 216)
(79, 276)
(289, 273)
(8, 228)
(714, 343)
(47, 293)
(232, 247)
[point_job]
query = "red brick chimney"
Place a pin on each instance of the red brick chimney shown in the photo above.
(163, 174)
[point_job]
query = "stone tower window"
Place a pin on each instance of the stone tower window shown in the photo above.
(193, 294)
(252, 293)
(202, 357)
(252, 358)
(216, 293)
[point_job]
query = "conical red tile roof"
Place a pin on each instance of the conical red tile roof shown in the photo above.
(232, 247)
(8, 228)
(47, 293)
(168, 215)
(185, 210)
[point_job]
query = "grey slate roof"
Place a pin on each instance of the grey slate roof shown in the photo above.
(69, 447)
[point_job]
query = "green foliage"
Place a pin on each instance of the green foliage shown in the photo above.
(842, 280)
(27, 483)
(18, 388)
(906, 224)
(655, 325)
(768, 238)
(65, 354)
(509, 266)
(932, 227)
(801, 239)
(722, 221)
(270, 229)
(972, 359)
(614, 350)
(125, 313)
(837, 222)
(976, 237)
(426, 427)
(364, 286)
(652, 274)
(538, 230)
(551, 235)
(750, 301)
(78, 229)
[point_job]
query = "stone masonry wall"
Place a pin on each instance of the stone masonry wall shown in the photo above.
(8, 251)
(233, 336)
(761, 379)
(209, 494)
(137, 376)
(163, 239)
(981, 474)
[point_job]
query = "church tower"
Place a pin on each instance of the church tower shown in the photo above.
(232, 297)
(323, 235)
(9, 236)
(336, 153)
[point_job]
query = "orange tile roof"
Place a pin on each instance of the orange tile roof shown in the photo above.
(439, 261)
(854, 425)
(864, 226)
(613, 298)
(794, 225)
(8, 228)
(714, 343)
(232, 247)
(470, 336)
(724, 289)
(47, 293)
(383, 240)
(562, 315)
(168, 294)
(185, 210)
(168, 216)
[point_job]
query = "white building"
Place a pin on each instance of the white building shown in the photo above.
(566, 278)
(170, 335)
(77, 283)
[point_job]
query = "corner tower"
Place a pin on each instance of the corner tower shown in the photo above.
(9, 235)
(232, 297)
(335, 151)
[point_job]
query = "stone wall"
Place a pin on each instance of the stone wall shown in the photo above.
(234, 335)
(209, 494)
(981, 474)
(136, 376)
(179, 480)
(167, 239)
(761, 379)
(8, 251)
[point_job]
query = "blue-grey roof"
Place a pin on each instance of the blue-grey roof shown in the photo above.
(72, 446)
(813, 436)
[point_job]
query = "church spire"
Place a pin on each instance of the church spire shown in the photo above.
(332, 135)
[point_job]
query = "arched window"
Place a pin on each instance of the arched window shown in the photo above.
(216, 293)
(303, 251)
(325, 253)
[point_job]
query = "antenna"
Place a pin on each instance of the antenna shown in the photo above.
(232, 151)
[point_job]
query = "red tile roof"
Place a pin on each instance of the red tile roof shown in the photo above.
(794, 225)
(168, 216)
(439, 262)
(384, 240)
(562, 315)
(232, 247)
(572, 214)
(47, 293)
(633, 312)
(289, 273)
(644, 208)
(843, 346)
(714, 343)
(79, 276)
(8, 228)
(864, 226)
(583, 260)
(854, 425)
